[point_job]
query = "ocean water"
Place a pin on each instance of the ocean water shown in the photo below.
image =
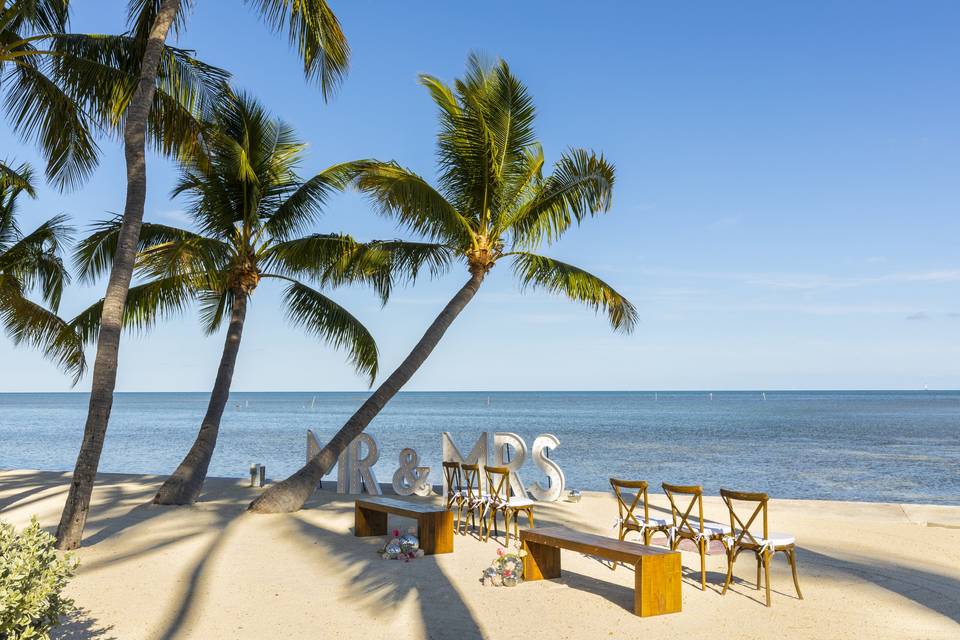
(871, 446)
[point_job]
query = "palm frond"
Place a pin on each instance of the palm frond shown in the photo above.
(303, 207)
(94, 255)
(310, 256)
(147, 304)
(14, 180)
(581, 185)
(34, 259)
(315, 32)
(322, 317)
(215, 305)
(383, 264)
(509, 116)
(465, 143)
(42, 111)
(43, 16)
(189, 253)
(398, 192)
(28, 323)
(576, 284)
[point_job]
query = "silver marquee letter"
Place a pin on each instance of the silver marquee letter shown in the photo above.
(500, 443)
(361, 469)
(549, 467)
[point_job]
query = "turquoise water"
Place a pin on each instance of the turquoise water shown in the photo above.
(875, 446)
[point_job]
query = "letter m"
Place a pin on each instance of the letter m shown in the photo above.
(478, 455)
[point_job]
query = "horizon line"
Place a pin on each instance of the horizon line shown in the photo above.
(701, 390)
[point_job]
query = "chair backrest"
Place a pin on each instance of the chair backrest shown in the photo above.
(682, 520)
(742, 528)
(498, 483)
(454, 477)
(471, 480)
(627, 503)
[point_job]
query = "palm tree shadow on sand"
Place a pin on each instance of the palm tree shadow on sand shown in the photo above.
(383, 584)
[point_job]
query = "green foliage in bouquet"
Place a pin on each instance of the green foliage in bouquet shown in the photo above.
(32, 577)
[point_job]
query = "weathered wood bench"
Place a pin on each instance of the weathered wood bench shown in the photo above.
(658, 579)
(434, 522)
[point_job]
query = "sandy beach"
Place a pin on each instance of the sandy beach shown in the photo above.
(867, 570)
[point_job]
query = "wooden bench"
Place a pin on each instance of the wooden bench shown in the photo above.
(658, 579)
(434, 522)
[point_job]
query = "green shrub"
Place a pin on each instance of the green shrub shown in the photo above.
(32, 576)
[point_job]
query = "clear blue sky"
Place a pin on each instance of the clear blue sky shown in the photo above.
(785, 216)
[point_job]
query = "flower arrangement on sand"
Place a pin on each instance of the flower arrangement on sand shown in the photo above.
(506, 570)
(405, 546)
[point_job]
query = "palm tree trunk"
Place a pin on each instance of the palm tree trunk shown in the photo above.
(184, 486)
(292, 493)
(74, 515)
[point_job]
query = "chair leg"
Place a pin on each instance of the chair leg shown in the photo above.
(766, 572)
(703, 566)
(506, 526)
(759, 566)
(726, 583)
(793, 567)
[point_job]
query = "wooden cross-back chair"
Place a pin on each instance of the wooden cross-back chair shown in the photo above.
(690, 525)
(631, 495)
(762, 543)
(474, 499)
(456, 498)
(501, 500)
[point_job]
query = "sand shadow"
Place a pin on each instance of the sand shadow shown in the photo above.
(935, 591)
(79, 625)
(381, 583)
(31, 485)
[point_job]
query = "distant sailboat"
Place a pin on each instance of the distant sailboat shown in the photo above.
(313, 403)
(763, 394)
(655, 396)
(488, 401)
(711, 396)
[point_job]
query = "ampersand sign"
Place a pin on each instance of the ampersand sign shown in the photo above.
(410, 478)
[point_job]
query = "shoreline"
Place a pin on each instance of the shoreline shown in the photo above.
(385, 487)
(878, 570)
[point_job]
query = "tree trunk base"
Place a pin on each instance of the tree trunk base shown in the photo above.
(291, 494)
(178, 491)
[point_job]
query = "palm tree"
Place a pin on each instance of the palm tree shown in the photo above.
(29, 262)
(315, 32)
(493, 202)
(250, 207)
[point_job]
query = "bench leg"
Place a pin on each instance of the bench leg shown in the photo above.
(369, 523)
(541, 562)
(435, 531)
(658, 585)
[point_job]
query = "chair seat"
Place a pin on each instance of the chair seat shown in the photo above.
(778, 540)
(652, 523)
(709, 528)
(519, 502)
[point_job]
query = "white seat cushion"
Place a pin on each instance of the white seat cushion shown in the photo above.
(778, 540)
(519, 502)
(709, 528)
(657, 522)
